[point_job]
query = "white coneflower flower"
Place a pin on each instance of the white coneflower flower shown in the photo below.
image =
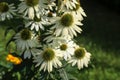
(6, 11)
(47, 59)
(25, 40)
(30, 52)
(47, 4)
(81, 58)
(78, 12)
(30, 8)
(67, 25)
(49, 16)
(66, 48)
(50, 37)
(69, 4)
(36, 24)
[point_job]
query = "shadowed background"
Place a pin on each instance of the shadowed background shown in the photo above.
(103, 21)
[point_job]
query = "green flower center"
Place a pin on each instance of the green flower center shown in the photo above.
(25, 34)
(67, 20)
(48, 54)
(4, 7)
(63, 47)
(32, 2)
(79, 53)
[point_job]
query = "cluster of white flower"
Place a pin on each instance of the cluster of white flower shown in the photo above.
(49, 31)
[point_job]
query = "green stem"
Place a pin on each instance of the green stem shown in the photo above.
(18, 76)
(63, 74)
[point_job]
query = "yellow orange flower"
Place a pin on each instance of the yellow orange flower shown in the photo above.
(13, 59)
(9, 57)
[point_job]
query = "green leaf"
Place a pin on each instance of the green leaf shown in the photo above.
(18, 76)
(9, 42)
(7, 30)
(71, 77)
